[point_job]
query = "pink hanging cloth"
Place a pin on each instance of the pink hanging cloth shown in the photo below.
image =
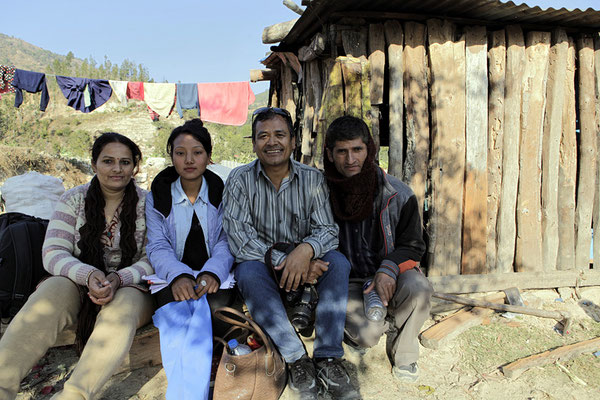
(135, 90)
(225, 103)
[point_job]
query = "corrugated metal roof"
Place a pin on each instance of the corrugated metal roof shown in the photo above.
(488, 12)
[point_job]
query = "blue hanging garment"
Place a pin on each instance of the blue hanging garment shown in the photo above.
(31, 82)
(84, 94)
(187, 97)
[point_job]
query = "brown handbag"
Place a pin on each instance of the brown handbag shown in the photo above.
(259, 375)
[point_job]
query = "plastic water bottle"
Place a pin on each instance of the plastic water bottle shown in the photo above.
(238, 349)
(374, 308)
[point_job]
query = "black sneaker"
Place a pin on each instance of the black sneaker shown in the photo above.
(303, 379)
(335, 379)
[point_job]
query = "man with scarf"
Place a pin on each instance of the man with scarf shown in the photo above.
(381, 235)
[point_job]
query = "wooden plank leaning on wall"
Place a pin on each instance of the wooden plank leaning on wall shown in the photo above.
(506, 229)
(497, 79)
(529, 219)
(416, 100)
(587, 151)
(447, 57)
(476, 171)
(555, 100)
(567, 169)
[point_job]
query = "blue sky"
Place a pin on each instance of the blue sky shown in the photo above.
(178, 41)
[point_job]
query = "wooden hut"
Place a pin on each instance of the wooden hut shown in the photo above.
(488, 110)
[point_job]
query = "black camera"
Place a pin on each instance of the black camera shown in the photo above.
(301, 304)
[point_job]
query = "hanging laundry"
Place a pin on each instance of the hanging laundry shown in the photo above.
(225, 103)
(187, 97)
(7, 73)
(119, 90)
(135, 90)
(160, 97)
(31, 82)
(84, 94)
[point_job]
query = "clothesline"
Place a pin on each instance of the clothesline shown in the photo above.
(224, 103)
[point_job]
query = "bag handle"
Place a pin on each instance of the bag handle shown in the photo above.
(247, 323)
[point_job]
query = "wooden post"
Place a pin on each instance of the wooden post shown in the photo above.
(394, 39)
(497, 76)
(587, 152)
(416, 98)
(551, 146)
(448, 150)
(567, 169)
(506, 229)
(529, 213)
(332, 106)
(367, 111)
(317, 88)
(377, 61)
(276, 33)
(476, 190)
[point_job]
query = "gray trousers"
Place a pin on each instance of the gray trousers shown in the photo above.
(407, 311)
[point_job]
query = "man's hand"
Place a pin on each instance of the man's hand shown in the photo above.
(212, 285)
(183, 289)
(100, 289)
(295, 267)
(385, 286)
(315, 270)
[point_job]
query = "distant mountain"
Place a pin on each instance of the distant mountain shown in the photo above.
(23, 55)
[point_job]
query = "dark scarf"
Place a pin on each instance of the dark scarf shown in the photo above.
(352, 198)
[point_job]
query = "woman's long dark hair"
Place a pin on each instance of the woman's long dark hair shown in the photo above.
(92, 249)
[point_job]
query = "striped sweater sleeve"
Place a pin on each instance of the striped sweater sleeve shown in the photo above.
(59, 244)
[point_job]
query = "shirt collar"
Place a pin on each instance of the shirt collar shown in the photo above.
(179, 195)
(259, 169)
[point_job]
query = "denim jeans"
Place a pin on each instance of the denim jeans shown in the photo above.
(261, 294)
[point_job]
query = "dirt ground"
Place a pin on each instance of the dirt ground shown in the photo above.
(467, 367)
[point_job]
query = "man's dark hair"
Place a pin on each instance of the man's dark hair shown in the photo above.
(346, 128)
(266, 113)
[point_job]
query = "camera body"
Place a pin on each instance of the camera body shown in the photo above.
(301, 304)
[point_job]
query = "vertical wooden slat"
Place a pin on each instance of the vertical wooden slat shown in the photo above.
(497, 74)
(447, 57)
(332, 106)
(476, 190)
(352, 75)
(567, 169)
(555, 99)
(529, 214)
(287, 91)
(587, 152)
(416, 98)
(377, 61)
(394, 39)
(372, 121)
(355, 42)
(308, 115)
(596, 216)
(317, 89)
(506, 229)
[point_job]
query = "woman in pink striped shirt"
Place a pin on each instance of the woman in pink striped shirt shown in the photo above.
(95, 251)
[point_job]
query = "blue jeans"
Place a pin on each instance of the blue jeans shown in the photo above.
(261, 294)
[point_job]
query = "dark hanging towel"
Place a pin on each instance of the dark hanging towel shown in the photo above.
(84, 94)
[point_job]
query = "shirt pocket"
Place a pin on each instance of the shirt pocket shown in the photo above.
(301, 227)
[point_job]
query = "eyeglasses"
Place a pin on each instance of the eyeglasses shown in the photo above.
(279, 111)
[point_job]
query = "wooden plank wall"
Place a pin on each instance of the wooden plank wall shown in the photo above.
(487, 126)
